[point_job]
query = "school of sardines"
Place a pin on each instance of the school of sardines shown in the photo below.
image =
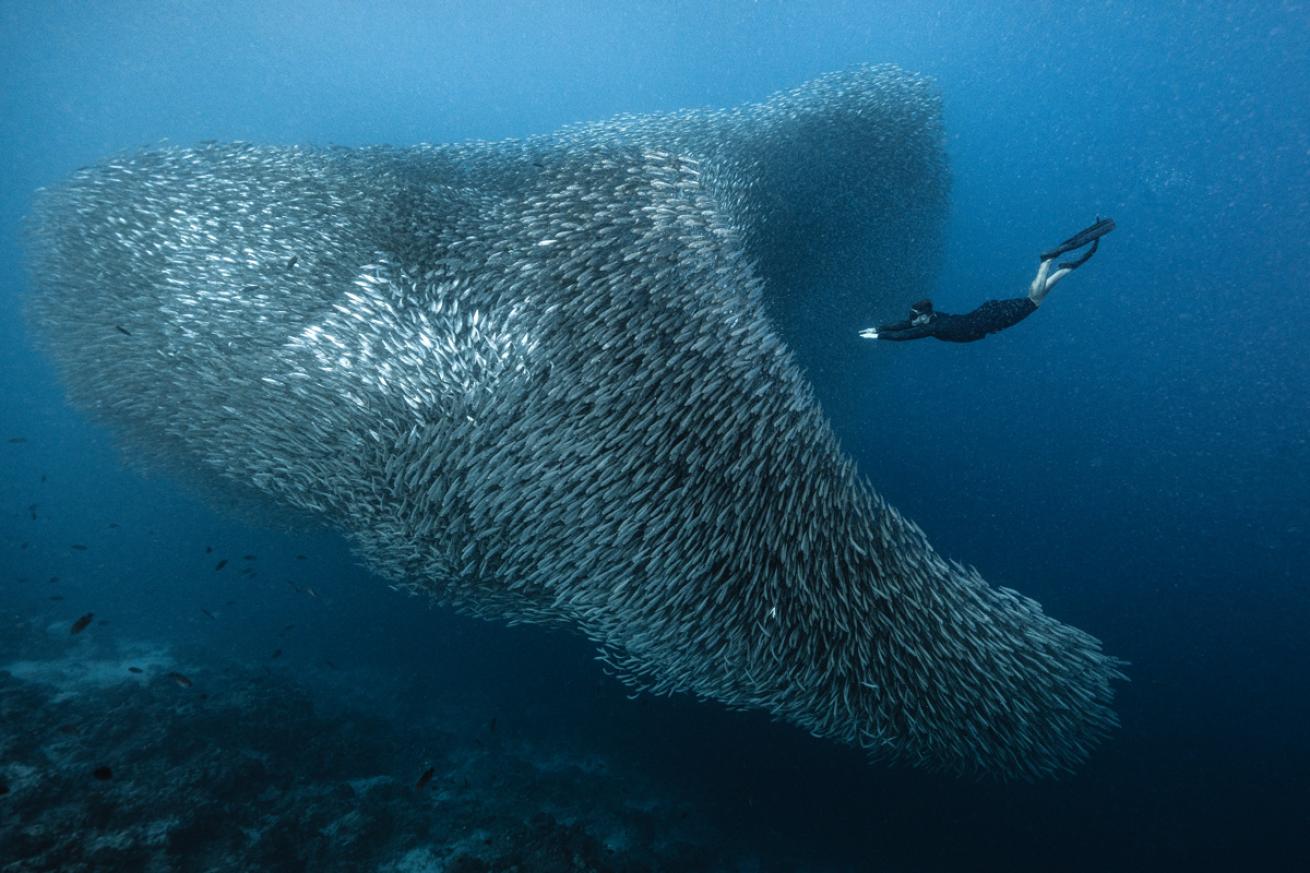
(548, 380)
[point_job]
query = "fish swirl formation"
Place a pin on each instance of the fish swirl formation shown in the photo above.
(552, 380)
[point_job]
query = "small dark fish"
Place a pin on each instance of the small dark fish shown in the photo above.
(230, 603)
(67, 729)
(124, 331)
(113, 524)
(331, 664)
(277, 653)
(25, 545)
(32, 509)
(4, 788)
(104, 774)
(181, 680)
(78, 547)
(247, 557)
(43, 477)
(425, 778)
(135, 670)
(220, 565)
(209, 550)
(103, 621)
(208, 613)
(53, 579)
(286, 630)
(491, 728)
(17, 440)
(81, 623)
(56, 597)
(295, 259)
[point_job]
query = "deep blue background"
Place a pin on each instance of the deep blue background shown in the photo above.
(1136, 455)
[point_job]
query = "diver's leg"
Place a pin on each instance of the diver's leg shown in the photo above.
(1053, 278)
(1045, 280)
(1040, 284)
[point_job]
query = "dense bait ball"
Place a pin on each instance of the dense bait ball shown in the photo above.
(552, 380)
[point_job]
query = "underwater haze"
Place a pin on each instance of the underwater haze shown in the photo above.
(200, 674)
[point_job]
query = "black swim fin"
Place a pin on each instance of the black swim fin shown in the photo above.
(1080, 239)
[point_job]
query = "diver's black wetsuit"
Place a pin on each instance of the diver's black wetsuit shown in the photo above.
(992, 316)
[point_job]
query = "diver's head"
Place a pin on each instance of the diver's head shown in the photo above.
(921, 312)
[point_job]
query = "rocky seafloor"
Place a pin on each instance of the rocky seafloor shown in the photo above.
(133, 757)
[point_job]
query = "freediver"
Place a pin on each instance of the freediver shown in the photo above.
(994, 315)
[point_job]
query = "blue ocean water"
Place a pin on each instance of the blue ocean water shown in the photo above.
(1136, 456)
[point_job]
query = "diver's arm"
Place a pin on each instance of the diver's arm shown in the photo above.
(898, 331)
